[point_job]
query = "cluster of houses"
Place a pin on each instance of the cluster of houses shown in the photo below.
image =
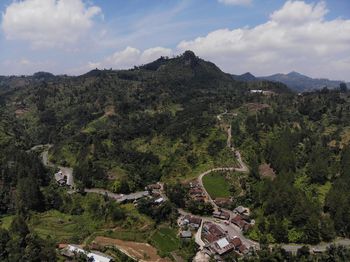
(219, 242)
(196, 191)
(72, 251)
(260, 91)
(155, 191)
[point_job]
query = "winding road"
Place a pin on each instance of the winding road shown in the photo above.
(242, 166)
(67, 171)
(233, 230)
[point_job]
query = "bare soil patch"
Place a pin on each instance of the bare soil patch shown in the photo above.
(256, 106)
(139, 251)
(21, 111)
(265, 170)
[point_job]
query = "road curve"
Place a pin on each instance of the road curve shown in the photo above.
(242, 166)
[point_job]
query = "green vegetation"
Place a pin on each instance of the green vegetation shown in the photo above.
(165, 239)
(6, 221)
(216, 185)
(62, 227)
(126, 129)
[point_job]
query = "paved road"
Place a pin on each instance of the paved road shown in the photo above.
(67, 171)
(318, 248)
(118, 197)
(101, 191)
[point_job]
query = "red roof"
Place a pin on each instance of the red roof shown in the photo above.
(61, 246)
(242, 248)
(236, 242)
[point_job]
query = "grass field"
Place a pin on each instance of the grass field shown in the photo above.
(6, 221)
(165, 240)
(62, 227)
(216, 185)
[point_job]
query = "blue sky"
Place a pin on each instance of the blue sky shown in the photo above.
(260, 36)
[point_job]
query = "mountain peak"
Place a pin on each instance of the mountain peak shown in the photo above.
(43, 75)
(244, 77)
(295, 74)
(190, 58)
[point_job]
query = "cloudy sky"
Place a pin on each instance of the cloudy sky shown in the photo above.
(259, 36)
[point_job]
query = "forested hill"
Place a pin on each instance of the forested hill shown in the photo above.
(109, 119)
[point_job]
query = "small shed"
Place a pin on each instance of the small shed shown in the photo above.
(186, 234)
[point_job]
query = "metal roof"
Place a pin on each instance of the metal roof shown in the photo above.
(222, 242)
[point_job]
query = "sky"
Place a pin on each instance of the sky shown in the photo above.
(263, 37)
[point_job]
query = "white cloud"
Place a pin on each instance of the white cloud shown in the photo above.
(296, 37)
(235, 2)
(130, 57)
(25, 66)
(48, 23)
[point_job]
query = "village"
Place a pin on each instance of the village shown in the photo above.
(217, 235)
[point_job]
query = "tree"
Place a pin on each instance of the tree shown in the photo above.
(4, 238)
(303, 252)
(311, 230)
(327, 228)
(176, 193)
(29, 194)
(19, 226)
(343, 87)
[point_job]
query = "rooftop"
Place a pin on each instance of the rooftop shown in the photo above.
(223, 242)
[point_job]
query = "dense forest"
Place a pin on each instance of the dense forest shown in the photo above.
(123, 130)
(304, 139)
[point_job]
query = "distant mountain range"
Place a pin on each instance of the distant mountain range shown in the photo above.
(293, 80)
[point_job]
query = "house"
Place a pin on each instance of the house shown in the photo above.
(221, 215)
(195, 184)
(99, 257)
(159, 200)
(241, 223)
(192, 221)
(196, 192)
(264, 92)
(237, 242)
(153, 187)
(60, 178)
(241, 210)
(212, 232)
(222, 246)
(239, 246)
(186, 234)
(71, 250)
(133, 196)
(243, 249)
(254, 91)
